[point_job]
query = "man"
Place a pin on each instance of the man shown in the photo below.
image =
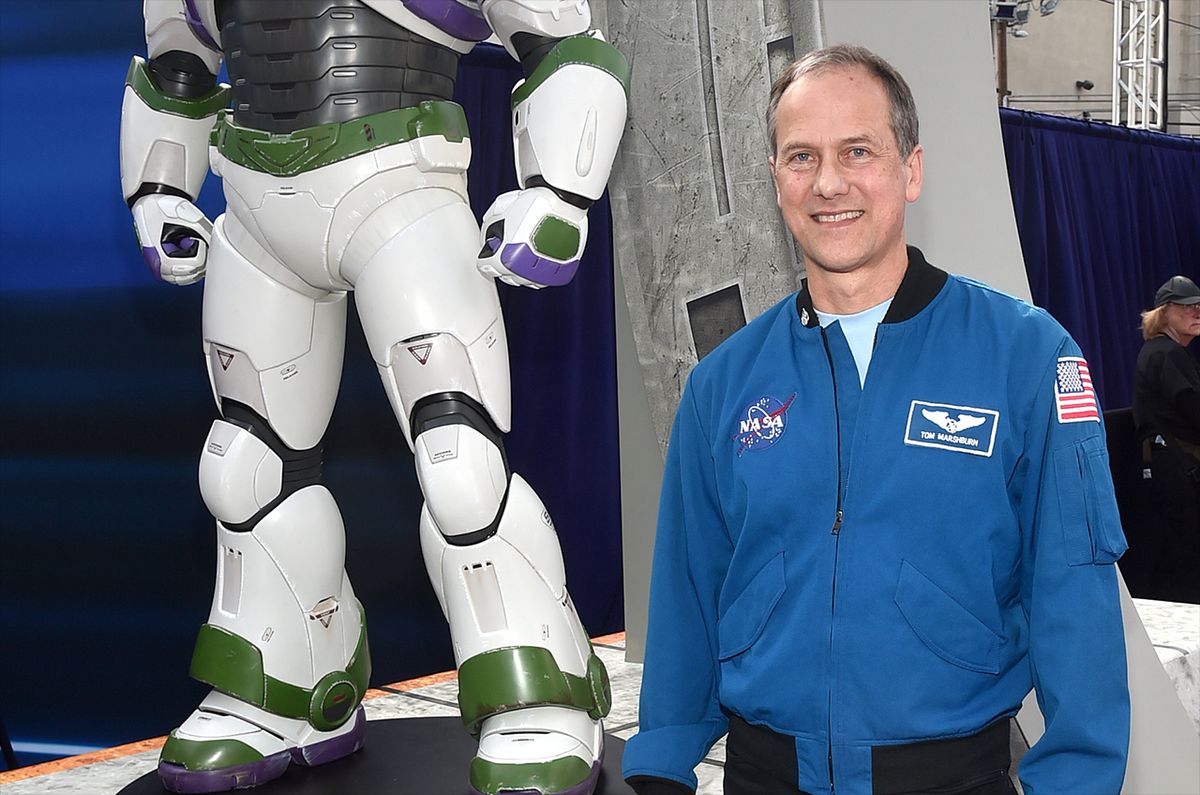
(886, 512)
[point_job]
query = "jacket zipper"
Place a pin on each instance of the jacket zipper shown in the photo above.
(836, 532)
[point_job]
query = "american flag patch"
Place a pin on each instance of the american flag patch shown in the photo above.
(1073, 393)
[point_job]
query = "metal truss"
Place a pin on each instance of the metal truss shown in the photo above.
(1140, 63)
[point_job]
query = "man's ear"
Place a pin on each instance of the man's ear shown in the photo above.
(771, 164)
(916, 173)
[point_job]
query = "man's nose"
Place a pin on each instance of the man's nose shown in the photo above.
(830, 179)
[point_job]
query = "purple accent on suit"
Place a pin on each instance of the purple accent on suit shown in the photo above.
(184, 248)
(153, 262)
(329, 750)
(194, 21)
(177, 778)
(451, 17)
(523, 261)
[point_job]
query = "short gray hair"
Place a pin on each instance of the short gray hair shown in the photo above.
(904, 110)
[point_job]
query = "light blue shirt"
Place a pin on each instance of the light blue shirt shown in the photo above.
(859, 329)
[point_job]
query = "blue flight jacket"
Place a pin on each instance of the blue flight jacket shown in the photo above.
(858, 567)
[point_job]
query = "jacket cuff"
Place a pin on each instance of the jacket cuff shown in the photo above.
(670, 753)
(648, 785)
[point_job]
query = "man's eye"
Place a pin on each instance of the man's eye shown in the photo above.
(802, 157)
(858, 151)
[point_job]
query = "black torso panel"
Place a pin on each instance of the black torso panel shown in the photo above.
(299, 63)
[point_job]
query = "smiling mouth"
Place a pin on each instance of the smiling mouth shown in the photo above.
(836, 217)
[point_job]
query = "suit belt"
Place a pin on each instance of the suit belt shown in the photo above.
(289, 154)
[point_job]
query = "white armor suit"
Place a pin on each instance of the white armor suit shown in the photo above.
(344, 166)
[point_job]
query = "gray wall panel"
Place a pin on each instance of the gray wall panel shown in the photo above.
(693, 207)
(693, 212)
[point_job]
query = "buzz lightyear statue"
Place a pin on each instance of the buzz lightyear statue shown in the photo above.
(344, 165)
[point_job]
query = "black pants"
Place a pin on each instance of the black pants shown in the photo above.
(1175, 490)
(759, 761)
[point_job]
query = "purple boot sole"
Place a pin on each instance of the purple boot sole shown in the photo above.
(177, 778)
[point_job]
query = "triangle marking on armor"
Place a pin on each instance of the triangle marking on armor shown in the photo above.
(323, 611)
(421, 352)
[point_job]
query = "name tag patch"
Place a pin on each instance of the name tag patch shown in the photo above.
(963, 429)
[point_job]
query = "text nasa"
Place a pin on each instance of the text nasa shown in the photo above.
(769, 423)
(950, 438)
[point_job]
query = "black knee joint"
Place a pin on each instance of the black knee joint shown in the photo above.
(455, 408)
(301, 468)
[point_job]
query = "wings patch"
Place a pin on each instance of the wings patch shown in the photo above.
(963, 429)
(962, 423)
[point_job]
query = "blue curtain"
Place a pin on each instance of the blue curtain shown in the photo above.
(562, 349)
(1105, 215)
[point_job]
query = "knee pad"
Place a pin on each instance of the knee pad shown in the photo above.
(461, 465)
(246, 470)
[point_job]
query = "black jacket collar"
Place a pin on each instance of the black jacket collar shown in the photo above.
(920, 285)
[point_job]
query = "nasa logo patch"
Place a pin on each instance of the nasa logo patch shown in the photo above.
(762, 423)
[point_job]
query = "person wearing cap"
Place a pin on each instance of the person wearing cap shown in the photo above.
(1166, 413)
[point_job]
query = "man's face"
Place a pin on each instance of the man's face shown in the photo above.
(839, 177)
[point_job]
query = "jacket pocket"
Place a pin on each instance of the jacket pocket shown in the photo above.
(744, 619)
(1087, 507)
(947, 628)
